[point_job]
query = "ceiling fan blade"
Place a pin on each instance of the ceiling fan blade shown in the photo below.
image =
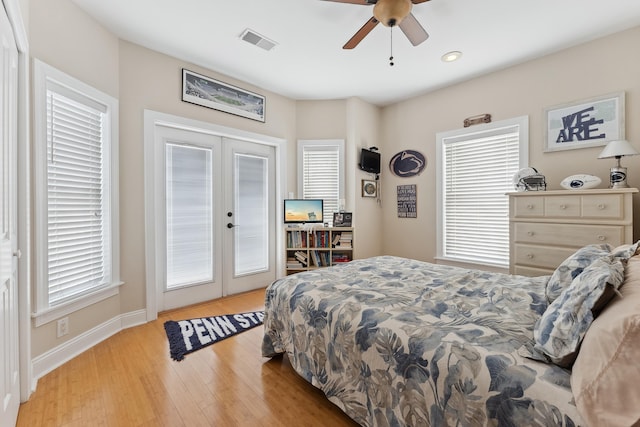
(361, 33)
(417, 1)
(364, 2)
(413, 30)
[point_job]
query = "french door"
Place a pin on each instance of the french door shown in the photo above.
(9, 367)
(249, 236)
(218, 217)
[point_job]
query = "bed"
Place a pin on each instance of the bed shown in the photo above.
(401, 342)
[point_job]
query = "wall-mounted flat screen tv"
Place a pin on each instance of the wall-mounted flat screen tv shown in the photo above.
(302, 211)
(370, 161)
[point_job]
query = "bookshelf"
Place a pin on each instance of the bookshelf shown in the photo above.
(311, 248)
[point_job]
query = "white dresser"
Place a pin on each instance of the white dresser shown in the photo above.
(547, 226)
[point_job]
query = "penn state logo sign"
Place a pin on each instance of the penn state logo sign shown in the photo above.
(407, 163)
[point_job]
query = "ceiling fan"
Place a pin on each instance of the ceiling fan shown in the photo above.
(390, 13)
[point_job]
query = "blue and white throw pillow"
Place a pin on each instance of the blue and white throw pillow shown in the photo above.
(571, 268)
(624, 252)
(559, 332)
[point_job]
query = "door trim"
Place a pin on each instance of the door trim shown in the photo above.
(27, 384)
(154, 119)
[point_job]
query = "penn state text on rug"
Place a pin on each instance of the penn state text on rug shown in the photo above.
(187, 336)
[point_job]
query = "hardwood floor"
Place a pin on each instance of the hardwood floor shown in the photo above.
(130, 380)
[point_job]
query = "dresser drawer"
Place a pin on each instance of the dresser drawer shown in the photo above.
(526, 207)
(548, 226)
(562, 206)
(540, 256)
(603, 206)
(573, 235)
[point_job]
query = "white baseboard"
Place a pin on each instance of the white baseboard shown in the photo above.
(61, 354)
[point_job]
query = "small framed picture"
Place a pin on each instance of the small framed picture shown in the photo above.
(369, 188)
(342, 219)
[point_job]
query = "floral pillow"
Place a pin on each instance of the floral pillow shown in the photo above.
(624, 252)
(560, 330)
(572, 267)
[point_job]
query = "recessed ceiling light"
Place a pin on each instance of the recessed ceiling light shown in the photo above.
(451, 56)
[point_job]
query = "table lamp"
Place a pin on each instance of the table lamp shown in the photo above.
(617, 149)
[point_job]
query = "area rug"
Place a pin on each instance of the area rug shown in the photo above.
(187, 336)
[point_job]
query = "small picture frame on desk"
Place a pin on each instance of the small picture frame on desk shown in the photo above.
(342, 219)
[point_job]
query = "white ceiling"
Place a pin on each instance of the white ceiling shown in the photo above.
(309, 62)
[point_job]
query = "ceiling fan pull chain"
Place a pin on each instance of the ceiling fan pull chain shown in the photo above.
(391, 57)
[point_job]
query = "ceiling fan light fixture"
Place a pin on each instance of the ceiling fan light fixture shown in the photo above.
(391, 12)
(451, 56)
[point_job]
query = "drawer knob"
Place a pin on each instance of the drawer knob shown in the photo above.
(601, 206)
(530, 233)
(563, 207)
(530, 255)
(602, 238)
(529, 206)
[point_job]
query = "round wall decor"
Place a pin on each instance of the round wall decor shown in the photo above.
(407, 163)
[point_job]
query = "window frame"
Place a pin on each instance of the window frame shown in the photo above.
(318, 145)
(522, 124)
(48, 78)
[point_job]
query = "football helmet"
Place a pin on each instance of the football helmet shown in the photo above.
(528, 179)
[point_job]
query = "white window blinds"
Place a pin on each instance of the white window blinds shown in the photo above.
(76, 194)
(478, 170)
(189, 213)
(77, 217)
(321, 175)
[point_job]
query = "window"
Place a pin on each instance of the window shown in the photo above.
(321, 173)
(76, 194)
(189, 213)
(477, 166)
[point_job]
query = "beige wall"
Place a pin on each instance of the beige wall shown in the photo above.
(363, 131)
(604, 66)
(150, 80)
(316, 120)
(357, 123)
(66, 38)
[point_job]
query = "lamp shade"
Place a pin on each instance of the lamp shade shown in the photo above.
(618, 148)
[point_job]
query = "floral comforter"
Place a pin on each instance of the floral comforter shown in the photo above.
(399, 342)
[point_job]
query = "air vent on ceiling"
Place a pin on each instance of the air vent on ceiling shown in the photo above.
(252, 37)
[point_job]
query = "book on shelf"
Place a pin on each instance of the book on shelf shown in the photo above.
(302, 257)
(315, 258)
(320, 258)
(345, 241)
(294, 265)
(297, 239)
(340, 258)
(319, 239)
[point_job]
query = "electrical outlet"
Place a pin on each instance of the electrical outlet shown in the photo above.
(63, 326)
